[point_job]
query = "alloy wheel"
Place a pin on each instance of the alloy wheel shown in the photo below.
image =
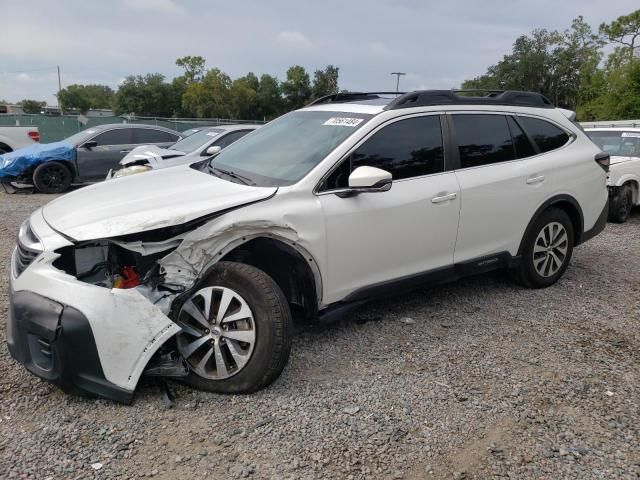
(218, 332)
(550, 249)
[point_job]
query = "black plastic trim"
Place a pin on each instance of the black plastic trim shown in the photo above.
(429, 278)
(599, 226)
(55, 342)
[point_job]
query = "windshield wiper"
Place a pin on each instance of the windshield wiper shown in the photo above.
(229, 173)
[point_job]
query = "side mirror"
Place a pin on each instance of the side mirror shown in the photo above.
(367, 179)
(213, 150)
(90, 144)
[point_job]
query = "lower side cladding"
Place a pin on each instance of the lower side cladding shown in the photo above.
(55, 342)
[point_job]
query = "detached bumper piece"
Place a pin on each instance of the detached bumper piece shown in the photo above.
(55, 342)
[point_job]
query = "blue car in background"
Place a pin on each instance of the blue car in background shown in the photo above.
(83, 158)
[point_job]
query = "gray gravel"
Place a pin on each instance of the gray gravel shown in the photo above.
(476, 379)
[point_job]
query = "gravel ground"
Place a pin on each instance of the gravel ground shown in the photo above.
(476, 379)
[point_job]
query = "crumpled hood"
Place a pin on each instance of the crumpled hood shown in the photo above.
(14, 163)
(150, 154)
(157, 199)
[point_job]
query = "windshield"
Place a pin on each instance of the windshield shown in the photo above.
(80, 137)
(623, 144)
(196, 140)
(285, 150)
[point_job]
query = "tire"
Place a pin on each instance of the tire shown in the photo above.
(620, 204)
(245, 367)
(541, 267)
(52, 177)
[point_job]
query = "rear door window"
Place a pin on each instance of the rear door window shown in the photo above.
(230, 138)
(150, 135)
(117, 136)
(521, 143)
(546, 135)
(483, 139)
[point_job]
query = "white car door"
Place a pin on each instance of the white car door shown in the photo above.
(503, 177)
(378, 237)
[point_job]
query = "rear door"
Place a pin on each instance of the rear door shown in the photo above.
(504, 177)
(94, 163)
(152, 136)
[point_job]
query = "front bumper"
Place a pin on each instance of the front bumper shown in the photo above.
(55, 342)
(99, 339)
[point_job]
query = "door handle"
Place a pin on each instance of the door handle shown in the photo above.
(534, 180)
(125, 151)
(444, 198)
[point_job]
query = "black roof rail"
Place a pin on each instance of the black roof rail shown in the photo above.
(423, 98)
(343, 97)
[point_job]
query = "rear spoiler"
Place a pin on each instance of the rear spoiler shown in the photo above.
(570, 114)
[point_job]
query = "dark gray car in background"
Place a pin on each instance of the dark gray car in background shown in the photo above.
(82, 158)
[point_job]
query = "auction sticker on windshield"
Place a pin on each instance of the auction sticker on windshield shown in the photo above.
(344, 121)
(631, 134)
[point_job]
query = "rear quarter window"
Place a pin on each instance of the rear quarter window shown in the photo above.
(545, 134)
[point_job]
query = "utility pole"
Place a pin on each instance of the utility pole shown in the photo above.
(59, 89)
(398, 74)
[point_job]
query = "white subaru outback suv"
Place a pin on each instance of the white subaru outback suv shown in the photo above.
(623, 144)
(193, 272)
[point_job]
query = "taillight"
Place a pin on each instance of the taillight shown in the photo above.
(34, 135)
(603, 159)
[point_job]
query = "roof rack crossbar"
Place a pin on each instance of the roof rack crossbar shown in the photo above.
(422, 98)
(350, 97)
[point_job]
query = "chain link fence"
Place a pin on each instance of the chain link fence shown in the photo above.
(54, 128)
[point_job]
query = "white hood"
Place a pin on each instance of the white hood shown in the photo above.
(150, 154)
(157, 199)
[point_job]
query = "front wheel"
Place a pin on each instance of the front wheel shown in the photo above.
(236, 330)
(547, 250)
(620, 204)
(52, 177)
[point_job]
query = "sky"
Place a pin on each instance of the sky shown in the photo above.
(437, 44)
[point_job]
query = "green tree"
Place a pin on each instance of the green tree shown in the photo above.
(325, 82)
(147, 95)
(193, 67)
(625, 30)
(243, 99)
(209, 97)
(31, 106)
(270, 102)
(297, 88)
(85, 97)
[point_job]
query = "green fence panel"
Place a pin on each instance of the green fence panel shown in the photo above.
(54, 128)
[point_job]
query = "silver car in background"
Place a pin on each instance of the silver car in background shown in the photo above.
(205, 142)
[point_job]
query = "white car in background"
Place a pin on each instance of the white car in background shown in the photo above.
(204, 142)
(623, 144)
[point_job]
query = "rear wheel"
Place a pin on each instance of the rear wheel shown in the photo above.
(52, 177)
(236, 330)
(620, 204)
(547, 250)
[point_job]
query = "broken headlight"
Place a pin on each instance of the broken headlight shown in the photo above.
(132, 170)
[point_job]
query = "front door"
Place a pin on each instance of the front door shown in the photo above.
(94, 163)
(379, 237)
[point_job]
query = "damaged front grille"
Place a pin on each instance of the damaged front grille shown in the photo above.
(23, 258)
